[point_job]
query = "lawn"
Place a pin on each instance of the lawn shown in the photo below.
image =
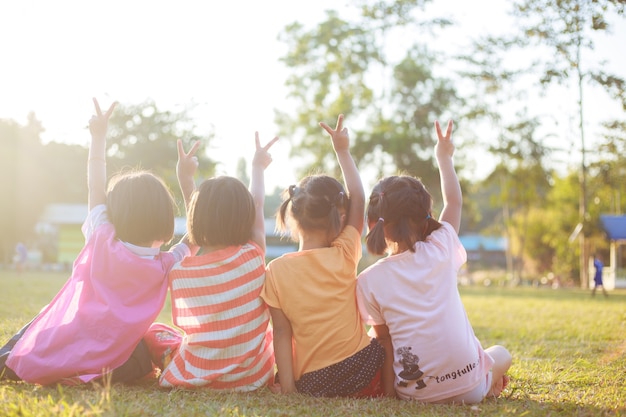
(569, 359)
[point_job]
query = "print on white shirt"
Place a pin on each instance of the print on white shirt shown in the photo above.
(411, 371)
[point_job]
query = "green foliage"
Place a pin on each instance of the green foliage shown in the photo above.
(32, 175)
(329, 66)
(336, 68)
(537, 217)
(144, 136)
(568, 354)
(565, 27)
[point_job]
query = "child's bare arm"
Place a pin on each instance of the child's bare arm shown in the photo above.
(283, 350)
(354, 186)
(261, 160)
(387, 376)
(186, 167)
(96, 164)
(450, 187)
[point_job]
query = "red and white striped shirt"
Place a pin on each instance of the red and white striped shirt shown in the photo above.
(228, 338)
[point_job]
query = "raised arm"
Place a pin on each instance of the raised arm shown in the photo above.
(260, 161)
(96, 164)
(186, 167)
(185, 170)
(450, 187)
(354, 186)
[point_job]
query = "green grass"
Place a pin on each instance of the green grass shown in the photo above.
(569, 359)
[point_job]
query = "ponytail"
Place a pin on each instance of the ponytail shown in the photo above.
(281, 217)
(375, 239)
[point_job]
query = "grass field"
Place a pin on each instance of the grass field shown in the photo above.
(569, 359)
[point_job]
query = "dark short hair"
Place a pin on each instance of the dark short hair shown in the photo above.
(316, 203)
(399, 209)
(221, 212)
(141, 208)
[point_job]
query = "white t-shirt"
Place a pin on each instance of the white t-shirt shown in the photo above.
(436, 354)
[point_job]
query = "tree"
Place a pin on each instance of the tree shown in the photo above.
(328, 66)
(522, 181)
(612, 165)
(9, 179)
(564, 28)
(33, 174)
(401, 136)
(242, 171)
(143, 136)
(337, 67)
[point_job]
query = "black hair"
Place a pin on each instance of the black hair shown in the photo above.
(399, 210)
(316, 203)
(141, 208)
(221, 212)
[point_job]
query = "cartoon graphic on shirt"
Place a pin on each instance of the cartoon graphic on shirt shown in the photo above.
(411, 371)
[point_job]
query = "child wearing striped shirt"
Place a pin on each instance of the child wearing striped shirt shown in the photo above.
(227, 341)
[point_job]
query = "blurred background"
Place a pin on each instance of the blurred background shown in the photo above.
(535, 87)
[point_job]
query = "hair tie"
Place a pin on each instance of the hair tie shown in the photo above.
(338, 201)
(380, 219)
(292, 191)
(428, 216)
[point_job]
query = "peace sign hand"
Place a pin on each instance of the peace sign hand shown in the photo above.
(98, 124)
(339, 135)
(187, 161)
(262, 157)
(444, 146)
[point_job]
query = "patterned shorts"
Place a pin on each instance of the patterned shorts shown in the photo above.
(356, 376)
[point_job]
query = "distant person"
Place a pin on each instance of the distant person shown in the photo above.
(321, 346)
(597, 278)
(94, 326)
(227, 338)
(411, 296)
(20, 258)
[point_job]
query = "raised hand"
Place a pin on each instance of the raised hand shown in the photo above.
(99, 122)
(187, 161)
(450, 187)
(186, 168)
(444, 146)
(339, 135)
(262, 157)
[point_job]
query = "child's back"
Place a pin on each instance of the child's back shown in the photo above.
(118, 284)
(315, 289)
(227, 343)
(411, 295)
(321, 346)
(98, 318)
(415, 294)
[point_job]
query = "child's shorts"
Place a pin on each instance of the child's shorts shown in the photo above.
(357, 376)
(163, 342)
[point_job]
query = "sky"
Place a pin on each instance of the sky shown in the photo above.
(221, 57)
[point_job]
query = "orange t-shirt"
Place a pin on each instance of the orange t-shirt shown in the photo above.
(315, 289)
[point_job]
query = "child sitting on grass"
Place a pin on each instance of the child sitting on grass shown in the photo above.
(411, 297)
(94, 326)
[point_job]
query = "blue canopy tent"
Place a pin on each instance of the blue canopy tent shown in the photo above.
(614, 226)
(615, 229)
